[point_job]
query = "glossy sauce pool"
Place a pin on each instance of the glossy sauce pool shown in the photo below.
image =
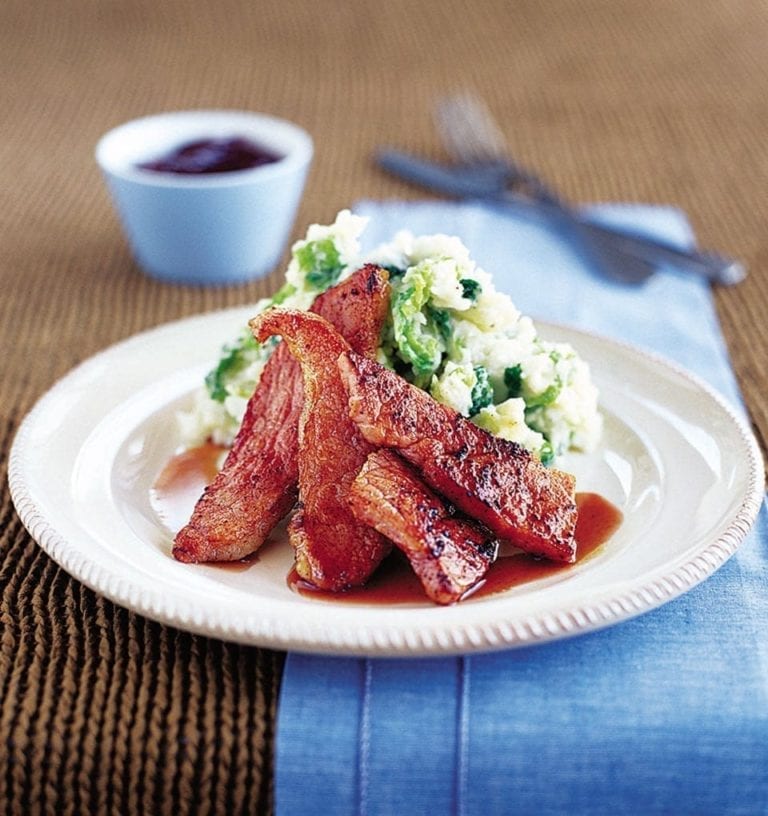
(182, 481)
(395, 582)
(184, 477)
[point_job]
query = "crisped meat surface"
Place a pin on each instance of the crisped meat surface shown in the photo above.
(333, 550)
(258, 484)
(499, 483)
(357, 308)
(449, 554)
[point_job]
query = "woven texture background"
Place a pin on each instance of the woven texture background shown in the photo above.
(665, 101)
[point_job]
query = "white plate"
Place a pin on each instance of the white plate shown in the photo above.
(675, 458)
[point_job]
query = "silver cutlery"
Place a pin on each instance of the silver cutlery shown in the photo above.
(484, 170)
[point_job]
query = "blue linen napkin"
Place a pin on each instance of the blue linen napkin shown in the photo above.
(664, 714)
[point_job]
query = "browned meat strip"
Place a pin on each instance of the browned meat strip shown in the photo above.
(494, 481)
(333, 550)
(449, 554)
(258, 484)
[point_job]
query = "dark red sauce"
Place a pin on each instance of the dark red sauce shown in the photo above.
(182, 481)
(184, 478)
(395, 582)
(212, 156)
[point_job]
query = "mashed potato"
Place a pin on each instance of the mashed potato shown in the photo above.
(449, 332)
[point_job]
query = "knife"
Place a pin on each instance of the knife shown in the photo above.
(462, 181)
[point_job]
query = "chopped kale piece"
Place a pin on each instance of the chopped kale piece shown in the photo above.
(482, 391)
(513, 379)
(471, 289)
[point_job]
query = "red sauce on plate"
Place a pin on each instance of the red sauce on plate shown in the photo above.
(212, 156)
(182, 481)
(194, 467)
(395, 582)
(185, 476)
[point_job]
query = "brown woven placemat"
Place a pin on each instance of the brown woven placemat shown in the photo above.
(101, 710)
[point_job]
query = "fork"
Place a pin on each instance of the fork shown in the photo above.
(471, 136)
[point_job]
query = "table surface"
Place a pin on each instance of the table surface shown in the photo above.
(659, 101)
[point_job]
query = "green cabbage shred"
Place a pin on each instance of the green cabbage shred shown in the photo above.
(235, 357)
(482, 391)
(320, 262)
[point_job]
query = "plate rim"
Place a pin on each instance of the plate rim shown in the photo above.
(386, 641)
